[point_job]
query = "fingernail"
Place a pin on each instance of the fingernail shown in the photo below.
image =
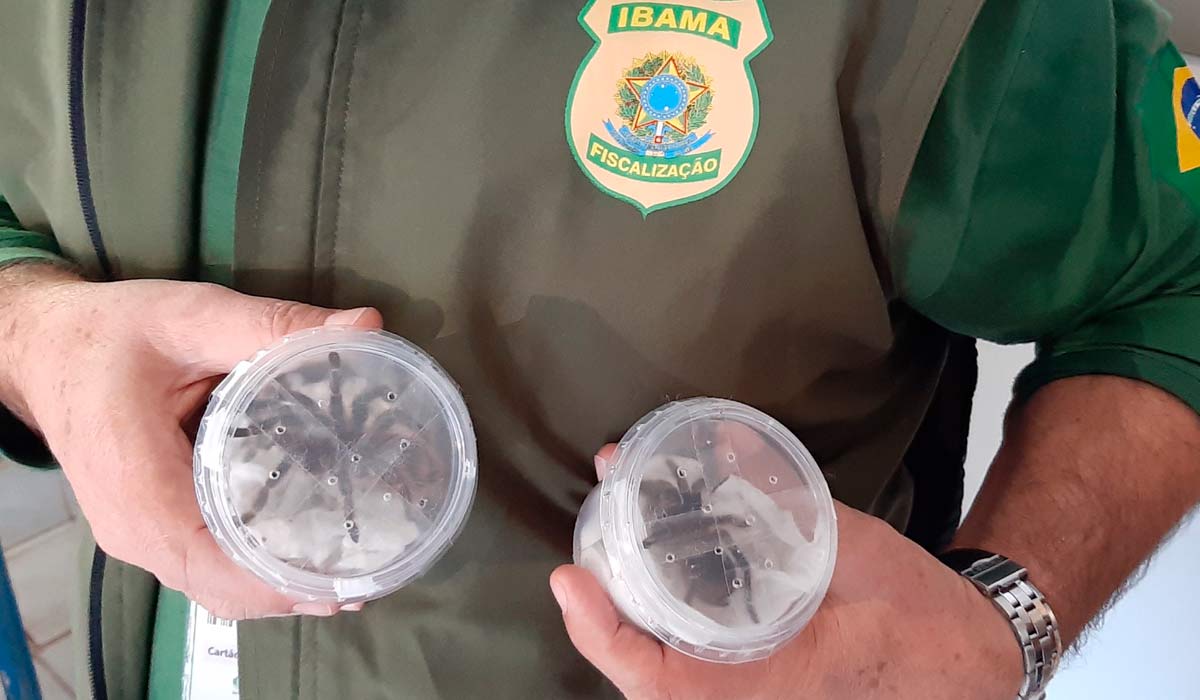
(317, 609)
(601, 464)
(352, 607)
(349, 317)
(560, 594)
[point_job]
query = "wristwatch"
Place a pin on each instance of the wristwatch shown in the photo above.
(1007, 584)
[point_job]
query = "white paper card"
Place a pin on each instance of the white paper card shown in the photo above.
(210, 666)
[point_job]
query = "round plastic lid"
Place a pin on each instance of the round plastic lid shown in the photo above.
(714, 528)
(337, 465)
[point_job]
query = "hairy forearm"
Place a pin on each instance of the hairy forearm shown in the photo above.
(1093, 473)
(24, 293)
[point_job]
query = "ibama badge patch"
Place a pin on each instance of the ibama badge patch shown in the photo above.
(664, 109)
(1186, 104)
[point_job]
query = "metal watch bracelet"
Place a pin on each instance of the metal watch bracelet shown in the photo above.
(1007, 584)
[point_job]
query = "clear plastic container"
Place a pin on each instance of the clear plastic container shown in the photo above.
(337, 465)
(714, 530)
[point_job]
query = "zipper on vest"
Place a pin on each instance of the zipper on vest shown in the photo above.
(83, 181)
(95, 640)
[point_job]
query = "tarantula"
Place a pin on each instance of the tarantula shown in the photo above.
(706, 580)
(319, 436)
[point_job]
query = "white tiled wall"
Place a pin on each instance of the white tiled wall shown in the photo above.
(1186, 29)
(40, 537)
(31, 501)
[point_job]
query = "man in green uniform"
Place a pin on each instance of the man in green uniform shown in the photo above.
(797, 205)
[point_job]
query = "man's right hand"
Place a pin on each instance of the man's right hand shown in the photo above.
(111, 374)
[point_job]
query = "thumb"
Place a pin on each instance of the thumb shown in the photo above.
(627, 656)
(603, 459)
(225, 327)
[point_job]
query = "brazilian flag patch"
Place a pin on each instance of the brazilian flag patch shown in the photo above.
(1186, 103)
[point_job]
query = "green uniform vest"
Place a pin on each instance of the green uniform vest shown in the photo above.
(412, 156)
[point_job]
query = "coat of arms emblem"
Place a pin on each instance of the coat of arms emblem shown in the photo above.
(664, 110)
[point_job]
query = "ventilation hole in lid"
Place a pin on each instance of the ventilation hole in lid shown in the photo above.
(356, 458)
(769, 564)
(737, 583)
(749, 519)
(423, 502)
(404, 444)
(731, 457)
(274, 474)
(387, 496)
(391, 396)
(681, 472)
(707, 508)
(332, 481)
(670, 557)
(773, 480)
(719, 550)
(280, 430)
(708, 442)
(320, 403)
(349, 524)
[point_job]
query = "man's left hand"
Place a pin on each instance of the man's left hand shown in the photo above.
(896, 623)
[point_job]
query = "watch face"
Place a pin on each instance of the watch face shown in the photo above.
(998, 572)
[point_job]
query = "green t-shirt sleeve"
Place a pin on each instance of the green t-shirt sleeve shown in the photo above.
(1056, 197)
(17, 244)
